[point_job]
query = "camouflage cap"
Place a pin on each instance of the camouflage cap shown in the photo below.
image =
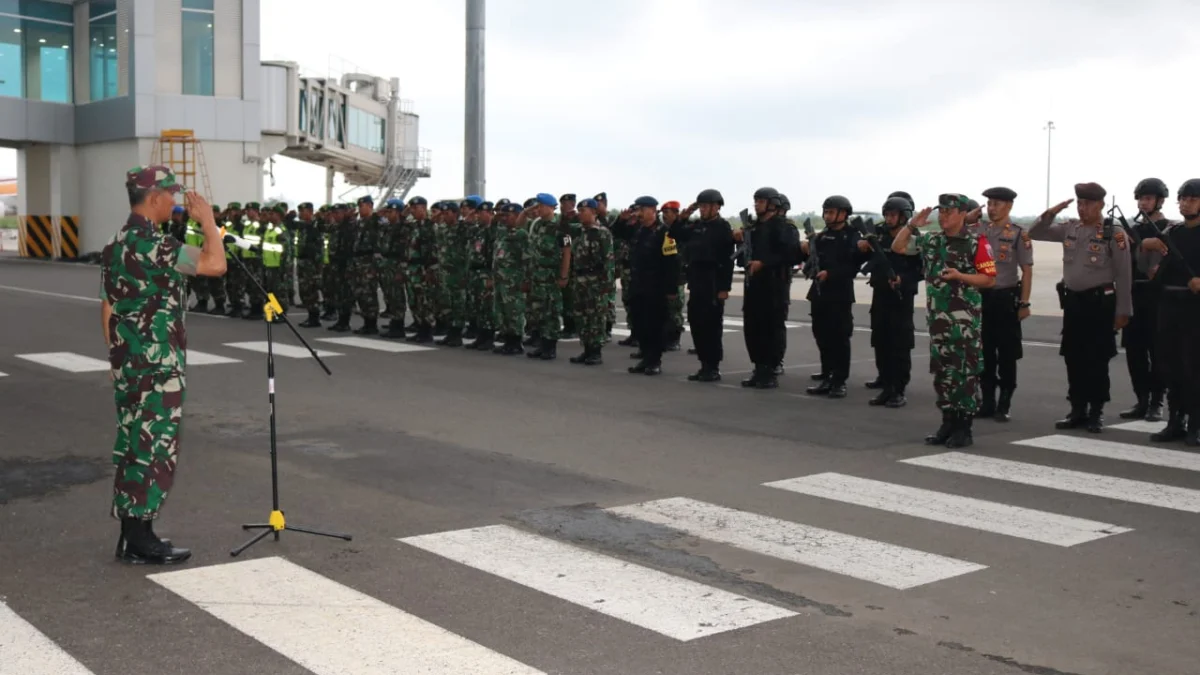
(953, 201)
(152, 177)
(253, 206)
(234, 206)
(304, 205)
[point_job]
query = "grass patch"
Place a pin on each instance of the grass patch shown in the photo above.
(8, 222)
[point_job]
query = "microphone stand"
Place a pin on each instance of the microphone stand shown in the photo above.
(276, 522)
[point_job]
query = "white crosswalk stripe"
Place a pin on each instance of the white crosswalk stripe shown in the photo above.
(1140, 426)
(376, 345)
(673, 606)
(1096, 485)
(866, 559)
(284, 350)
(1048, 528)
(68, 361)
(195, 358)
(24, 650)
(1128, 452)
(327, 627)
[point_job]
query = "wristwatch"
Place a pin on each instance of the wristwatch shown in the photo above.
(1023, 305)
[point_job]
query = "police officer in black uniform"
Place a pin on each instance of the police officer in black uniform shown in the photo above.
(654, 275)
(793, 244)
(1178, 338)
(892, 294)
(707, 245)
(1138, 337)
(764, 302)
(831, 295)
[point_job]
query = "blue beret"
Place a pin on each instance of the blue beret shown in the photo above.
(546, 198)
(589, 204)
(395, 203)
(177, 209)
(473, 201)
(646, 201)
(366, 200)
(449, 206)
(510, 207)
(486, 206)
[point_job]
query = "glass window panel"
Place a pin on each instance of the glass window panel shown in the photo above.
(198, 4)
(11, 59)
(47, 61)
(99, 7)
(198, 54)
(102, 55)
(39, 9)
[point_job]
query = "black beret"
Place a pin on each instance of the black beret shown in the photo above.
(1002, 193)
(304, 205)
(645, 202)
(1091, 191)
(418, 201)
(485, 206)
(366, 200)
(601, 197)
(569, 197)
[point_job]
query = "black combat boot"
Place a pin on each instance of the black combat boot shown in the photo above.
(1193, 432)
(837, 390)
(343, 323)
(1074, 419)
(594, 359)
(471, 333)
(822, 389)
(638, 369)
(818, 377)
(1095, 418)
(1003, 406)
(961, 436)
(533, 340)
(882, 397)
(1154, 410)
(712, 373)
(767, 379)
(395, 330)
(440, 328)
(453, 338)
(628, 342)
(1138, 411)
(218, 308)
(1174, 430)
(138, 545)
(988, 407)
(538, 350)
(329, 315)
(877, 383)
(485, 341)
(313, 321)
(514, 346)
(939, 437)
(587, 351)
(897, 400)
(752, 381)
(423, 336)
(369, 327)
(549, 350)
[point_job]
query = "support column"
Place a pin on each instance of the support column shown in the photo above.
(474, 181)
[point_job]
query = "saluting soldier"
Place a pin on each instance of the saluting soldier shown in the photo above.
(708, 246)
(592, 262)
(1006, 304)
(893, 335)
(1138, 337)
(550, 265)
(142, 311)
(654, 279)
(1096, 298)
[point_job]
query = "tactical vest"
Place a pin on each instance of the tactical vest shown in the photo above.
(251, 233)
(272, 246)
(193, 236)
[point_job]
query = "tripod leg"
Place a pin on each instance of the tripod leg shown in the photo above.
(256, 526)
(257, 538)
(292, 528)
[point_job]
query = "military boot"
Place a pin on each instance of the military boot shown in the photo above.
(1174, 430)
(485, 341)
(1193, 432)
(369, 327)
(514, 346)
(549, 350)
(138, 545)
(343, 323)
(822, 389)
(1003, 406)
(768, 379)
(710, 373)
(942, 435)
(329, 315)
(454, 338)
(882, 397)
(961, 436)
(1095, 418)
(471, 333)
(218, 308)
(988, 407)
(1138, 411)
(313, 321)
(897, 400)
(1075, 418)
(628, 342)
(532, 340)
(395, 330)
(537, 351)
(1154, 410)
(593, 359)
(752, 381)
(877, 383)
(822, 376)
(423, 336)
(440, 328)
(587, 351)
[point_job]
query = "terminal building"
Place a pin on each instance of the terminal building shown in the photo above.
(90, 88)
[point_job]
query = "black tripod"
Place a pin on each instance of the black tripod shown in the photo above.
(276, 522)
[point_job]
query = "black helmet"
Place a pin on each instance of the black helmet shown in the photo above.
(710, 196)
(1190, 188)
(765, 193)
(837, 202)
(905, 196)
(899, 205)
(784, 204)
(1151, 186)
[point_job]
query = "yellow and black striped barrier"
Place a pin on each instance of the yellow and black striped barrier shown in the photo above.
(36, 237)
(68, 237)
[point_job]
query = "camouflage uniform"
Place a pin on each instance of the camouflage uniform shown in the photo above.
(235, 278)
(510, 266)
(547, 240)
(423, 270)
(327, 222)
(453, 243)
(592, 262)
(393, 270)
(310, 256)
(362, 279)
(480, 283)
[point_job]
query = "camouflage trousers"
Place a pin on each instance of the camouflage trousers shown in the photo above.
(275, 281)
(256, 274)
(330, 286)
(363, 288)
(422, 283)
(510, 305)
(309, 273)
(289, 279)
(591, 310)
(480, 300)
(214, 287)
(568, 303)
(955, 359)
(149, 416)
(453, 309)
(235, 284)
(393, 278)
(545, 306)
(676, 308)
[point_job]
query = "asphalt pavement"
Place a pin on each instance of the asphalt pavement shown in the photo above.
(512, 516)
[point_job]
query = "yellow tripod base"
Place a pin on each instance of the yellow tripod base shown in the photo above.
(271, 308)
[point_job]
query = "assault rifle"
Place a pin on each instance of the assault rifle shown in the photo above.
(812, 266)
(879, 258)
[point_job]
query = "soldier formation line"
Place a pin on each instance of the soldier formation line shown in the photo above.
(509, 276)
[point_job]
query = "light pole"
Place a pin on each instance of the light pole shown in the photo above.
(1049, 131)
(474, 181)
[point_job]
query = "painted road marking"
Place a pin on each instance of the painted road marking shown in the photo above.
(1140, 426)
(195, 358)
(68, 361)
(1141, 454)
(377, 345)
(328, 628)
(1121, 489)
(977, 514)
(286, 351)
(24, 650)
(673, 606)
(866, 559)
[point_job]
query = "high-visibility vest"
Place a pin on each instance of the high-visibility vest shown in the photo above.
(231, 250)
(272, 246)
(251, 234)
(193, 236)
(325, 240)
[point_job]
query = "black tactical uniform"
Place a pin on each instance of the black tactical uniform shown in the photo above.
(893, 289)
(765, 298)
(707, 245)
(654, 275)
(831, 301)
(1138, 337)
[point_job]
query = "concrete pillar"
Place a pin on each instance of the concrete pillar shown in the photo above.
(474, 182)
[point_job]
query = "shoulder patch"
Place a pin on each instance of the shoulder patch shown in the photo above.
(668, 246)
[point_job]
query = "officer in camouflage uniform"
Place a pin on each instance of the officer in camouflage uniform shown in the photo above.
(423, 270)
(480, 282)
(393, 244)
(957, 264)
(532, 321)
(510, 265)
(569, 218)
(622, 240)
(592, 262)
(607, 218)
(327, 223)
(550, 264)
(453, 239)
(143, 306)
(341, 254)
(364, 283)
(310, 257)
(252, 258)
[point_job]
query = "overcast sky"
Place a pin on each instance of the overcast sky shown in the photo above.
(668, 97)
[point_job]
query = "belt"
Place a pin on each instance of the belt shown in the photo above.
(589, 273)
(1006, 289)
(1098, 290)
(1176, 289)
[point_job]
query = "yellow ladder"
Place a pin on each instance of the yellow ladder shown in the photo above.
(180, 152)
